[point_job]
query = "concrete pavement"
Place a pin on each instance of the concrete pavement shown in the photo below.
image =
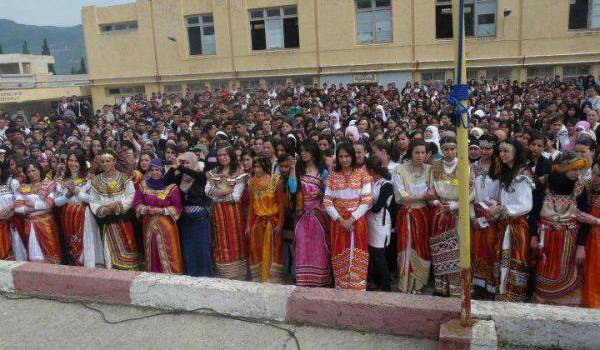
(42, 324)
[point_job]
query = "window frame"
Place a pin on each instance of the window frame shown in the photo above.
(528, 77)
(202, 25)
(475, 24)
(588, 26)
(262, 14)
(432, 72)
(372, 10)
(124, 90)
(578, 68)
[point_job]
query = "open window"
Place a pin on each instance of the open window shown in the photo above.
(201, 35)
(274, 28)
(480, 18)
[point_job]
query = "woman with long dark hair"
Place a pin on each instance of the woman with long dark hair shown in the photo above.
(411, 184)
(379, 222)
(265, 223)
(111, 196)
(225, 186)
(11, 245)
(347, 199)
(35, 200)
(78, 226)
(311, 229)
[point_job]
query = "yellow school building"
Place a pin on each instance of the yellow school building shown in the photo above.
(174, 45)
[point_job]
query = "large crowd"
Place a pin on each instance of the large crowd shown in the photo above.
(318, 185)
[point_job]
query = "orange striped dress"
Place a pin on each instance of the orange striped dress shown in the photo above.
(349, 195)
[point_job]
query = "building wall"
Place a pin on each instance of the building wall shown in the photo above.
(156, 55)
(38, 64)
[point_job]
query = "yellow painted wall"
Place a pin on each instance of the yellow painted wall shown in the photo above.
(535, 33)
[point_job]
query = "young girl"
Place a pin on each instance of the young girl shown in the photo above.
(265, 222)
(411, 184)
(379, 222)
(347, 199)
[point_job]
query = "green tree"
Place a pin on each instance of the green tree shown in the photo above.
(25, 47)
(73, 71)
(1, 51)
(45, 48)
(82, 67)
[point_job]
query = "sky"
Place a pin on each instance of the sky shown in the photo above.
(63, 13)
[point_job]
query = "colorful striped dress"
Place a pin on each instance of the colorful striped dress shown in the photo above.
(345, 196)
(230, 253)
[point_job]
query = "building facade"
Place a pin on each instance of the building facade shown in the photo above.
(173, 45)
(27, 82)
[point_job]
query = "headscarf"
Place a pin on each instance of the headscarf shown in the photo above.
(156, 184)
(353, 132)
(187, 181)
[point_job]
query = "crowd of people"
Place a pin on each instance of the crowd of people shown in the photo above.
(319, 185)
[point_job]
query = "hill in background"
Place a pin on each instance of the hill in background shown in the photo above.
(66, 43)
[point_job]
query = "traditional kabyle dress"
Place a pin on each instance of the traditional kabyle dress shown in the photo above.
(444, 241)
(513, 229)
(230, 251)
(591, 280)
(558, 278)
(345, 196)
(11, 247)
(41, 232)
(266, 212)
(485, 242)
(116, 230)
(413, 225)
(79, 229)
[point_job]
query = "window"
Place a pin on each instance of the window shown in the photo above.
(472, 74)
(219, 84)
(172, 88)
(540, 72)
(434, 75)
(10, 68)
(201, 35)
(274, 28)
(51, 68)
(584, 14)
(250, 84)
(573, 72)
(275, 83)
(126, 91)
(373, 21)
(480, 18)
(303, 81)
(26, 67)
(498, 73)
(197, 87)
(118, 27)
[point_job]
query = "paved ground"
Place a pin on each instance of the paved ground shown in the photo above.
(44, 324)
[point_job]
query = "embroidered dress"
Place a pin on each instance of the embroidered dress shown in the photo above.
(79, 229)
(558, 279)
(230, 254)
(116, 230)
(485, 240)
(311, 237)
(161, 235)
(514, 240)
(265, 214)
(345, 196)
(9, 250)
(590, 292)
(41, 231)
(413, 225)
(444, 243)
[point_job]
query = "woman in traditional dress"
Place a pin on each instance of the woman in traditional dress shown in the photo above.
(35, 200)
(78, 226)
(9, 249)
(411, 185)
(311, 236)
(379, 223)
(444, 245)
(265, 222)
(509, 210)
(194, 223)
(560, 241)
(225, 186)
(484, 235)
(347, 199)
(159, 207)
(591, 278)
(111, 196)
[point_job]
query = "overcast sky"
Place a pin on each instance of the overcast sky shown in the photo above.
(62, 13)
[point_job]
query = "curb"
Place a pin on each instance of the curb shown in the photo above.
(526, 325)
